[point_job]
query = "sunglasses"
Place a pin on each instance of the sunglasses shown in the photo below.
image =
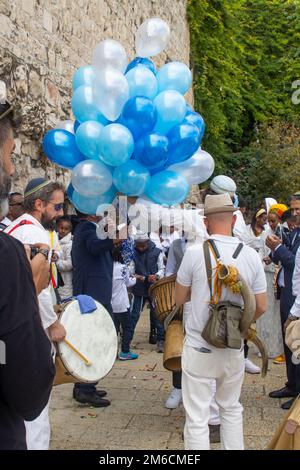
(57, 207)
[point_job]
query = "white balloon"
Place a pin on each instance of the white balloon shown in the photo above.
(91, 178)
(152, 37)
(197, 169)
(110, 53)
(66, 125)
(111, 91)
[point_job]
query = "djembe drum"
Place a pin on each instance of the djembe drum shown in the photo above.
(162, 296)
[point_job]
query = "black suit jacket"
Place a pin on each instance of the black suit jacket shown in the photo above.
(286, 254)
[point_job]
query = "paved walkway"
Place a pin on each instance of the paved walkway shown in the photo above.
(137, 418)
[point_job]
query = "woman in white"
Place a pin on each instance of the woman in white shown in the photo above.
(268, 326)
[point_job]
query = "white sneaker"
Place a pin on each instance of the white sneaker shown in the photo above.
(251, 368)
(174, 399)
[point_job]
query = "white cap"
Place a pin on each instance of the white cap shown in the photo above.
(222, 184)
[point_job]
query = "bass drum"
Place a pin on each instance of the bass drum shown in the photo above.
(94, 336)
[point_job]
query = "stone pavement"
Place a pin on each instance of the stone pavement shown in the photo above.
(137, 418)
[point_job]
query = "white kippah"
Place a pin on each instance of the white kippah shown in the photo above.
(222, 184)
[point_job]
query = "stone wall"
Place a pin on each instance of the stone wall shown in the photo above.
(42, 42)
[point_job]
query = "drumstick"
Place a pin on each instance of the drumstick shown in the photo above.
(87, 361)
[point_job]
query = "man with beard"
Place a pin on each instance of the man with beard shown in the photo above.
(26, 366)
(43, 204)
(285, 254)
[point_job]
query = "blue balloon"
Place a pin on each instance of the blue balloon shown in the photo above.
(142, 82)
(184, 140)
(197, 120)
(142, 61)
(152, 151)
(60, 147)
(167, 187)
(89, 205)
(83, 76)
(88, 138)
(83, 106)
(70, 190)
(171, 109)
(131, 178)
(174, 76)
(139, 115)
(116, 144)
(189, 108)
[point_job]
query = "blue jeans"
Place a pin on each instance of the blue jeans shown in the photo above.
(123, 319)
(155, 324)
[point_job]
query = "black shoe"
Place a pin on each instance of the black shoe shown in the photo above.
(101, 393)
(287, 405)
(90, 398)
(284, 392)
(160, 346)
(214, 433)
(152, 337)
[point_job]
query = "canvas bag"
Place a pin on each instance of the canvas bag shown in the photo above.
(222, 328)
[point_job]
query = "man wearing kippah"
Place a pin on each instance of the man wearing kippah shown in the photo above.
(43, 204)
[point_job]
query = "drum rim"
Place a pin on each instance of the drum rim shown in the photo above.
(77, 377)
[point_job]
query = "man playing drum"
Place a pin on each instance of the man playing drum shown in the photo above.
(43, 203)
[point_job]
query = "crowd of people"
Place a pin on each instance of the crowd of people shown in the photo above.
(50, 253)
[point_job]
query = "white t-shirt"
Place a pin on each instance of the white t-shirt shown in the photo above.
(31, 234)
(121, 280)
(192, 273)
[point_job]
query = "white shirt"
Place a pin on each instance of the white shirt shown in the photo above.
(121, 280)
(6, 221)
(295, 310)
(240, 228)
(31, 234)
(192, 273)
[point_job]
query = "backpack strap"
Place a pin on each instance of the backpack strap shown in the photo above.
(20, 224)
(238, 250)
(208, 266)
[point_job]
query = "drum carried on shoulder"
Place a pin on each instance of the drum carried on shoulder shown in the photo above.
(89, 351)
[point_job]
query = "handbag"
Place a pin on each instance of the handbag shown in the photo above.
(222, 327)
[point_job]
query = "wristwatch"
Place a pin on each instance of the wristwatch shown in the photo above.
(43, 251)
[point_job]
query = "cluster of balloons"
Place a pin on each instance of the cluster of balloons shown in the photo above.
(134, 133)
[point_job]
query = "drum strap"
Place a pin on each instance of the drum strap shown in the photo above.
(20, 224)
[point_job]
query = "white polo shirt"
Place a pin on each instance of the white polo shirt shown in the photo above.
(31, 234)
(192, 273)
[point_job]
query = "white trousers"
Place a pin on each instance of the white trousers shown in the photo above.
(199, 369)
(38, 431)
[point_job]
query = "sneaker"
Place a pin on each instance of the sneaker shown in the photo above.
(160, 346)
(279, 359)
(90, 399)
(130, 356)
(251, 368)
(174, 399)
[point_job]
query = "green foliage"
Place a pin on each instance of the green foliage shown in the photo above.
(245, 56)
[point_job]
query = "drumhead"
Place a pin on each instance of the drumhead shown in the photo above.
(94, 335)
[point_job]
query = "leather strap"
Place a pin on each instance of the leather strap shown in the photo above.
(238, 250)
(208, 267)
(20, 224)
